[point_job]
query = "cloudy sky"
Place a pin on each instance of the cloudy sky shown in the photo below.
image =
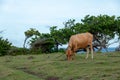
(17, 16)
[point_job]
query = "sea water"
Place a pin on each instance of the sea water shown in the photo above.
(111, 49)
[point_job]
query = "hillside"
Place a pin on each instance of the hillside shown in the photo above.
(55, 67)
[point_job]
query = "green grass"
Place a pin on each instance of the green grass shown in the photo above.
(55, 67)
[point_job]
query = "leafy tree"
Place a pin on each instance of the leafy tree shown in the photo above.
(56, 35)
(30, 33)
(5, 46)
(102, 27)
(118, 32)
(118, 26)
(70, 23)
(61, 36)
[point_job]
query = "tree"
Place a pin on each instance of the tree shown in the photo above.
(68, 30)
(30, 33)
(103, 27)
(5, 46)
(118, 32)
(118, 26)
(61, 36)
(56, 36)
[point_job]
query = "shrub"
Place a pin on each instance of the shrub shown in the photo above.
(18, 51)
(5, 46)
(43, 45)
(36, 51)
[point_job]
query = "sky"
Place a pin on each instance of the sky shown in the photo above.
(17, 16)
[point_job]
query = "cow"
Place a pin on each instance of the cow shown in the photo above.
(79, 41)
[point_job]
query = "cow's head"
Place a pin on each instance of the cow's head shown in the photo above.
(68, 54)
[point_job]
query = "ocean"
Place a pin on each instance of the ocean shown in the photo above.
(111, 49)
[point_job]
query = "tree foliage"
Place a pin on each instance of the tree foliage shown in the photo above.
(103, 27)
(56, 35)
(5, 46)
(30, 33)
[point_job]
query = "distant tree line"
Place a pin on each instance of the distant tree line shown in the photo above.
(103, 27)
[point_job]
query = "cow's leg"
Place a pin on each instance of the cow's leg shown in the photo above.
(91, 48)
(74, 52)
(87, 49)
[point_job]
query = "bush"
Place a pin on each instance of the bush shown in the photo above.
(18, 51)
(61, 50)
(36, 51)
(5, 46)
(43, 45)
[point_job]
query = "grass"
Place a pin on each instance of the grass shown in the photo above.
(55, 67)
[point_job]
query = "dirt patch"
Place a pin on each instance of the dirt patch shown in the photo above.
(113, 56)
(8, 61)
(30, 57)
(40, 75)
(117, 61)
(100, 63)
(26, 70)
(52, 78)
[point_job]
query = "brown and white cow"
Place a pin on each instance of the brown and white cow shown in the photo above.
(79, 41)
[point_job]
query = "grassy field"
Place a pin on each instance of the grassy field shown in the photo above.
(55, 67)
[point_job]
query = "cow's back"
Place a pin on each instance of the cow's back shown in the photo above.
(80, 40)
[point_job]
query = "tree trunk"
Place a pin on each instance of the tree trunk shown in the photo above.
(24, 42)
(57, 47)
